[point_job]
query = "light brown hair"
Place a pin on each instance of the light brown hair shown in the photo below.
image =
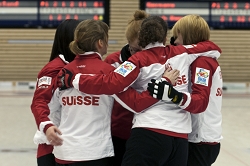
(87, 33)
(134, 25)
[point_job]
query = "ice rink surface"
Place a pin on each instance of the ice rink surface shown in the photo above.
(17, 127)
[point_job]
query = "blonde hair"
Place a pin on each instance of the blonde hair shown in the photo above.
(134, 25)
(193, 29)
(86, 34)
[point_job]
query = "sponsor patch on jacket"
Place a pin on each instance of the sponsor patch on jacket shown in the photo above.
(125, 68)
(45, 80)
(201, 76)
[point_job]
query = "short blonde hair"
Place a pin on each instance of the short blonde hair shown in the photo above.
(86, 34)
(193, 29)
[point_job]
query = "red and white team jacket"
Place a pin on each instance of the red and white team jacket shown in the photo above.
(43, 93)
(206, 100)
(121, 118)
(140, 69)
(114, 59)
(85, 118)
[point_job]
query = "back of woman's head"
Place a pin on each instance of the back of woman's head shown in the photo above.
(153, 29)
(63, 36)
(134, 25)
(87, 33)
(193, 29)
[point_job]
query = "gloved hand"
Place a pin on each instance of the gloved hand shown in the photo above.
(125, 53)
(164, 91)
(172, 39)
(64, 79)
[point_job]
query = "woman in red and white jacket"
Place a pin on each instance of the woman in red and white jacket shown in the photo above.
(121, 118)
(204, 99)
(60, 56)
(85, 118)
(158, 127)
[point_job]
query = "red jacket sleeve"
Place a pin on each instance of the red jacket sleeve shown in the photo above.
(113, 59)
(134, 101)
(112, 83)
(202, 70)
(46, 84)
(201, 47)
(42, 96)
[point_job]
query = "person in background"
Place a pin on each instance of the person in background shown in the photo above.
(204, 101)
(159, 134)
(60, 56)
(121, 118)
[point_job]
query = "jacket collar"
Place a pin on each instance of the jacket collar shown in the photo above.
(63, 59)
(91, 54)
(151, 45)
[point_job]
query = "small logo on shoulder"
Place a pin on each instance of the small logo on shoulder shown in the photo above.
(202, 76)
(45, 81)
(125, 68)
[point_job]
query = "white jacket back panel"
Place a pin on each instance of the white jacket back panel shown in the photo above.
(85, 126)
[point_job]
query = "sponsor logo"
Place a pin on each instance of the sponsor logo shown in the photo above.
(201, 76)
(125, 68)
(44, 81)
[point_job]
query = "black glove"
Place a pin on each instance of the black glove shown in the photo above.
(164, 91)
(125, 53)
(172, 39)
(64, 79)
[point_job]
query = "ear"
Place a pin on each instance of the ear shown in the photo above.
(100, 43)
